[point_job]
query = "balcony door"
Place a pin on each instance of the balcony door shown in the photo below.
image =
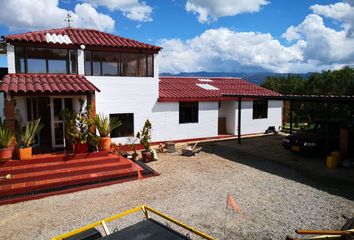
(58, 104)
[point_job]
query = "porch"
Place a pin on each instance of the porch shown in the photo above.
(31, 96)
(58, 173)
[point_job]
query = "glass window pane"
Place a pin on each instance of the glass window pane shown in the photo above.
(88, 70)
(20, 59)
(36, 62)
(36, 65)
(142, 65)
(58, 107)
(150, 65)
(188, 112)
(109, 68)
(36, 53)
(130, 64)
(57, 54)
(57, 66)
(73, 61)
(68, 104)
(57, 60)
(96, 70)
(127, 127)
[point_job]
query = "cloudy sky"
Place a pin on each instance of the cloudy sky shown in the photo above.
(209, 35)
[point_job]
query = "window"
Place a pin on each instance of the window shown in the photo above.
(45, 60)
(260, 109)
(105, 63)
(73, 61)
(127, 127)
(118, 64)
(36, 62)
(20, 60)
(188, 112)
(57, 60)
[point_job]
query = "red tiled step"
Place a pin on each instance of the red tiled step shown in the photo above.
(34, 167)
(24, 187)
(54, 157)
(66, 172)
(64, 191)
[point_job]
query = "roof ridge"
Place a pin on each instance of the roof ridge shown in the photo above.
(81, 36)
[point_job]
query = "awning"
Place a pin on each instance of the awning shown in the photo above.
(46, 83)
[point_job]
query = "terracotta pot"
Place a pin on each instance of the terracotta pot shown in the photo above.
(5, 154)
(104, 144)
(81, 148)
(147, 156)
(24, 153)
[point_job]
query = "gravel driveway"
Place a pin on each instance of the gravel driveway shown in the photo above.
(192, 190)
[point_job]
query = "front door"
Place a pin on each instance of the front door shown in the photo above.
(58, 104)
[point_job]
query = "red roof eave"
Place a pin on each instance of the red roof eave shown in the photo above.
(46, 83)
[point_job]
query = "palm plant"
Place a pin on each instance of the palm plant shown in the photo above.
(105, 125)
(7, 136)
(31, 130)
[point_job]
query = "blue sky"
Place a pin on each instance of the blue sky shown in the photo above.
(209, 35)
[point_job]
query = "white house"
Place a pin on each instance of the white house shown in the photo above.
(50, 70)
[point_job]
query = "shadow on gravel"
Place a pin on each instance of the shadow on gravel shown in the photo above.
(266, 154)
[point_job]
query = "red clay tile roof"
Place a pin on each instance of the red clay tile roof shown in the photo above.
(185, 88)
(46, 83)
(78, 36)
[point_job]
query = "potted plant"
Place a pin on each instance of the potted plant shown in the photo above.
(77, 127)
(93, 142)
(105, 126)
(31, 129)
(7, 138)
(145, 139)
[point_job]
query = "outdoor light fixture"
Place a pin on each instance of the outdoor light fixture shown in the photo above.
(82, 46)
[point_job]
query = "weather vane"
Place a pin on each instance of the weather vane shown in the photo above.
(68, 19)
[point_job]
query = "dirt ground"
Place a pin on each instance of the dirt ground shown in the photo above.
(277, 192)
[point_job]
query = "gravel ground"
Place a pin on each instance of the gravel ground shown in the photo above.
(194, 191)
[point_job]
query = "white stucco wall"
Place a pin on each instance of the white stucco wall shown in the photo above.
(136, 95)
(10, 58)
(166, 124)
(80, 61)
(250, 125)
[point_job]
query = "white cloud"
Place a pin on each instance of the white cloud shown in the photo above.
(40, 14)
(211, 10)
(312, 46)
(226, 50)
(323, 44)
(342, 12)
(132, 9)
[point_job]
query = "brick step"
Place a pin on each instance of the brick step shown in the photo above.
(31, 186)
(65, 172)
(54, 157)
(57, 165)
